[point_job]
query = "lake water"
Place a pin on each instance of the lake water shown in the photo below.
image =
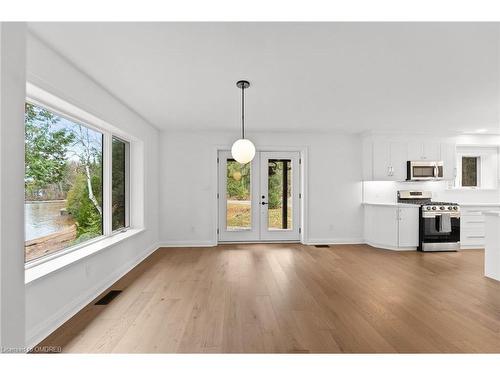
(43, 218)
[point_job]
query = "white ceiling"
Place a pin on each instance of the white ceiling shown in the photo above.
(304, 76)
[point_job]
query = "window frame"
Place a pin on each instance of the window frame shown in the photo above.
(127, 186)
(71, 112)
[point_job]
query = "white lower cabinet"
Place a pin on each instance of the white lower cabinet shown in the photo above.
(408, 226)
(472, 226)
(393, 227)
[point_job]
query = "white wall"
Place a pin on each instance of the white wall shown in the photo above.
(188, 184)
(55, 297)
(12, 93)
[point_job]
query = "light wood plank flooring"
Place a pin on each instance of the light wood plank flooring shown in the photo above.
(294, 299)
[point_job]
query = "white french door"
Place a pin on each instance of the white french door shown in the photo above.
(259, 201)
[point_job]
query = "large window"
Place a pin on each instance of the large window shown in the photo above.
(65, 184)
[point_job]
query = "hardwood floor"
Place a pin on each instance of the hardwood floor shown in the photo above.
(295, 299)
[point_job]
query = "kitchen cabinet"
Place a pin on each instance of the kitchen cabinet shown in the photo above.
(472, 225)
(408, 224)
(418, 150)
(385, 159)
(389, 160)
(449, 158)
(391, 226)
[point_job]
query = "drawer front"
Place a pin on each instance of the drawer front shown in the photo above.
(477, 211)
(472, 231)
(473, 242)
(469, 220)
(472, 235)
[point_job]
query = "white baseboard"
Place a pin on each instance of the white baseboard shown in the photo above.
(472, 247)
(187, 244)
(334, 241)
(315, 241)
(49, 325)
(385, 247)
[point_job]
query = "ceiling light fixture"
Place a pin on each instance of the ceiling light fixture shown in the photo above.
(243, 150)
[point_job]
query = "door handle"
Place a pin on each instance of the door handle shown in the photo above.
(263, 203)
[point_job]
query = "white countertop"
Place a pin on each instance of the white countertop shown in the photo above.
(480, 204)
(492, 213)
(394, 204)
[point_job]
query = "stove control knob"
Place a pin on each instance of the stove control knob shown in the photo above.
(450, 208)
(434, 208)
(441, 208)
(455, 208)
(427, 208)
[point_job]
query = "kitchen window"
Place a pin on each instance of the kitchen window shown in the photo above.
(470, 171)
(477, 167)
(76, 183)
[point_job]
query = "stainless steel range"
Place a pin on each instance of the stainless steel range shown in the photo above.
(439, 222)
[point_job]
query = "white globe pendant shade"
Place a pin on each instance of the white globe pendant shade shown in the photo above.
(243, 151)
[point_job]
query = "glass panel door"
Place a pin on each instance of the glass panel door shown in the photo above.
(279, 196)
(238, 194)
(259, 201)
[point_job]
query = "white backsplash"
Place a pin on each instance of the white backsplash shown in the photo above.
(386, 192)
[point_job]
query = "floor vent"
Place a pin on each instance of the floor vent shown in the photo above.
(110, 296)
(321, 246)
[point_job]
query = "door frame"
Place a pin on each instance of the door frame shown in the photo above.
(303, 183)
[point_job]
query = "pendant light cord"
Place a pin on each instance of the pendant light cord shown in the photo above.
(243, 112)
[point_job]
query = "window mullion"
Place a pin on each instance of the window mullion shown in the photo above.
(107, 184)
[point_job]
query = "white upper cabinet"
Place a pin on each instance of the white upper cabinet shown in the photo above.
(418, 150)
(385, 159)
(389, 160)
(381, 160)
(399, 157)
(449, 158)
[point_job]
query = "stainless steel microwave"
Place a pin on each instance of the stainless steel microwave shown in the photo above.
(424, 170)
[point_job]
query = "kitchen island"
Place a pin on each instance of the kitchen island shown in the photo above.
(492, 248)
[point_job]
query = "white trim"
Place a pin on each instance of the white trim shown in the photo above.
(472, 247)
(385, 247)
(49, 325)
(71, 112)
(107, 188)
(67, 258)
(202, 243)
(335, 241)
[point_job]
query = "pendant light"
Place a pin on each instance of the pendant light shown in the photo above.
(243, 150)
